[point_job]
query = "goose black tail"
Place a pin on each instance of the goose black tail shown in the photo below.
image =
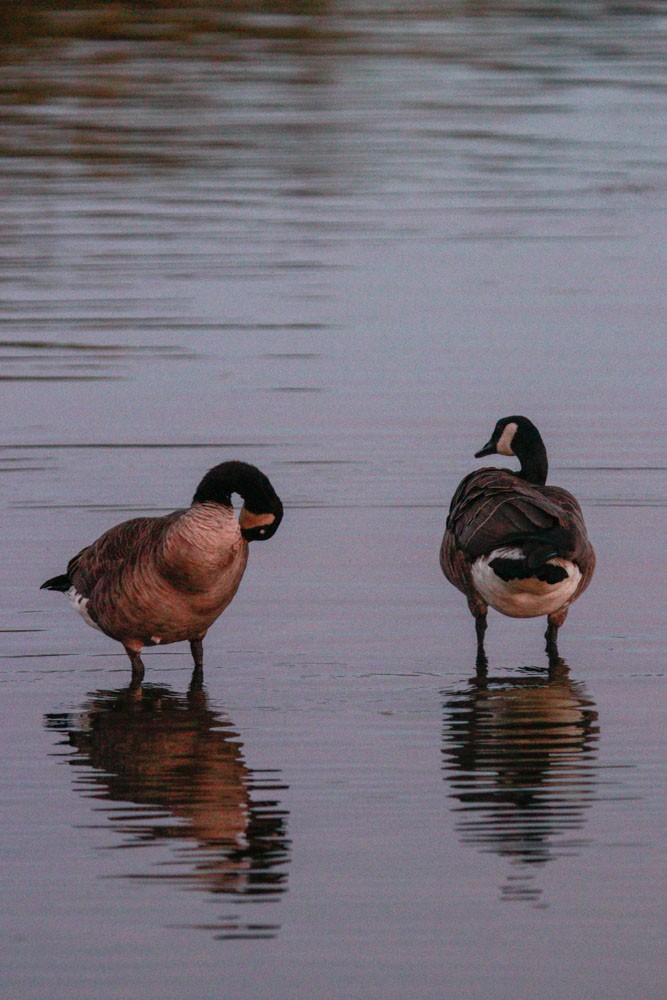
(61, 583)
(521, 569)
(537, 550)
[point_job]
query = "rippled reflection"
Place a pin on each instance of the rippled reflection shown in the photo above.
(178, 768)
(519, 757)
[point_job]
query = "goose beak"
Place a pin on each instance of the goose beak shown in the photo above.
(488, 449)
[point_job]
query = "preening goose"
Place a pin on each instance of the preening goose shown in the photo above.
(514, 543)
(156, 580)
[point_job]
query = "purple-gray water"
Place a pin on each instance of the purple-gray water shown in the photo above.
(338, 240)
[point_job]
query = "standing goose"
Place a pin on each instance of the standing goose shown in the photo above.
(156, 580)
(512, 542)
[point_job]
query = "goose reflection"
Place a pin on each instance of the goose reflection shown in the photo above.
(519, 757)
(178, 768)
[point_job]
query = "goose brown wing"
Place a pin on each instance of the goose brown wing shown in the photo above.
(581, 552)
(492, 508)
(123, 545)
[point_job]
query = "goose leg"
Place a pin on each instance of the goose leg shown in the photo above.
(551, 635)
(554, 621)
(197, 650)
(478, 609)
(137, 668)
(480, 631)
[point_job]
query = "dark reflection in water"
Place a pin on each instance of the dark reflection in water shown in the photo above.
(519, 756)
(180, 762)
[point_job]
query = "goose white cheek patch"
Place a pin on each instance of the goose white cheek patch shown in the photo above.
(504, 446)
(249, 520)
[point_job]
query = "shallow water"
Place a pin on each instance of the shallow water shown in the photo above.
(337, 241)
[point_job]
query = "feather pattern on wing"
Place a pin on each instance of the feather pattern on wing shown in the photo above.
(494, 508)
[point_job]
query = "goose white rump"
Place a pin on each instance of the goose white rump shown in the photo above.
(528, 597)
(80, 605)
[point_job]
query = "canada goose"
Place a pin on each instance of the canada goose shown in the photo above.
(513, 543)
(156, 580)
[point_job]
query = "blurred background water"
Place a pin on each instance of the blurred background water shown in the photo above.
(339, 240)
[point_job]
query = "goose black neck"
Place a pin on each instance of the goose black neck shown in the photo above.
(533, 457)
(222, 480)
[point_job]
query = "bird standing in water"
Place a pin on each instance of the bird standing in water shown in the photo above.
(157, 580)
(514, 543)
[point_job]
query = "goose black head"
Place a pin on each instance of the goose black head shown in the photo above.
(257, 527)
(520, 437)
(262, 509)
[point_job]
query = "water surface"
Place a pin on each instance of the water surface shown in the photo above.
(338, 241)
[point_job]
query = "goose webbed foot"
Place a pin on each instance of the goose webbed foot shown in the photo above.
(196, 691)
(481, 663)
(558, 668)
(197, 650)
(137, 668)
(197, 679)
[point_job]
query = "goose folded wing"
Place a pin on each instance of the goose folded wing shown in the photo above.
(572, 519)
(121, 546)
(493, 509)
